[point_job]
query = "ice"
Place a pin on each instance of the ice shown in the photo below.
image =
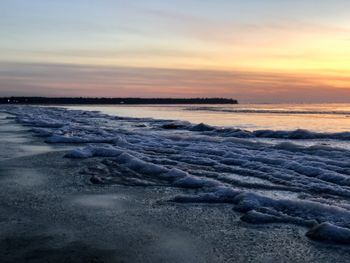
(175, 173)
(80, 153)
(194, 182)
(306, 210)
(329, 232)
(298, 134)
(44, 123)
(288, 182)
(202, 127)
(220, 194)
(140, 166)
(301, 134)
(255, 217)
(172, 125)
(106, 152)
(91, 151)
(79, 139)
(41, 132)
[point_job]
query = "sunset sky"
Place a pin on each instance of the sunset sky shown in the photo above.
(254, 50)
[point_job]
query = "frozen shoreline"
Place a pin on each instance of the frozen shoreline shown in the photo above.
(139, 164)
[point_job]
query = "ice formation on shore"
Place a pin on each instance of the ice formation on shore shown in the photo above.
(267, 183)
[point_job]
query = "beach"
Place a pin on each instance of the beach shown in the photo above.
(174, 131)
(73, 191)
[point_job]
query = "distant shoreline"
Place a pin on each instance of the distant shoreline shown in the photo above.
(112, 101)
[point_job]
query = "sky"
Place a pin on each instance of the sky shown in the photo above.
(256, 51)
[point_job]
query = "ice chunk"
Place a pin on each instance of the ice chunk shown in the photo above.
(94, 151)
(255, 217)
(42, 132)
(106, 152)
(175, 125)
(175, 173)
(202, 127)
(270, 216)
(80, 153)
(194, 182)
(78, 139)
(329, 232)
(218, 195)
(140, 166)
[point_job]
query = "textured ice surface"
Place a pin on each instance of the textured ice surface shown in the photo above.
(329, 232)
(268, 183)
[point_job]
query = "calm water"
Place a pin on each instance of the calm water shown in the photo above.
(315, 117)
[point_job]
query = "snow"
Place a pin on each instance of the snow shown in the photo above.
(284, 182)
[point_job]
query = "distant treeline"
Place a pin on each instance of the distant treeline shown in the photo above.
(81, 100)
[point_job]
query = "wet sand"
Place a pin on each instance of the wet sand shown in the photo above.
(50, 212)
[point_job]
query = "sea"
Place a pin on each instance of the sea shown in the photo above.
(313, 117)
(318, 118)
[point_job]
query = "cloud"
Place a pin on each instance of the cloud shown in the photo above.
(74, 80)
(214, 29)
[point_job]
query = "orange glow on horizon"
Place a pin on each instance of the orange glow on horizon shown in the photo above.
(294, 47)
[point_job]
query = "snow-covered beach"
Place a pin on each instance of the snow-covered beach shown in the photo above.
(172, 190)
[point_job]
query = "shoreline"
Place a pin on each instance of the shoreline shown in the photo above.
(53, 213)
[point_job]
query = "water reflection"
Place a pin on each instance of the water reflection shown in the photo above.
(315, 117)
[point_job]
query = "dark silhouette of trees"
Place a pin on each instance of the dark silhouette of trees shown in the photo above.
(82, 100)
